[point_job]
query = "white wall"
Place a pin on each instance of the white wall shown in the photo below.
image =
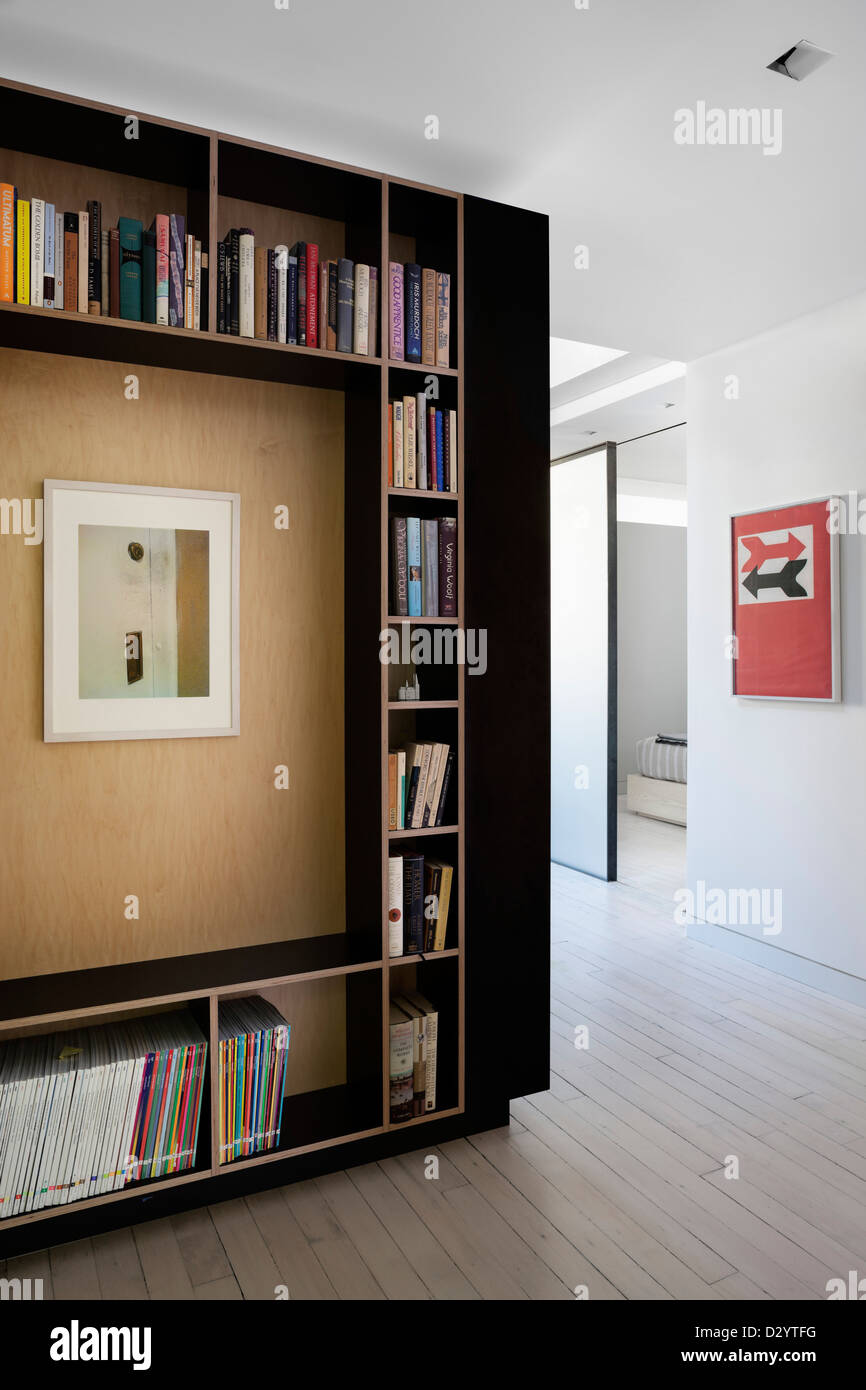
(651, 636)
(777, 790)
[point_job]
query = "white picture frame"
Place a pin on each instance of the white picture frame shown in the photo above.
(82, 564)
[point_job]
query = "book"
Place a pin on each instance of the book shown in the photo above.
(418, 1019)
(432, 1035)
(409, 445)
(362, 310)
(432, 461)
(421, 440)
(443, 795)
(114, 272)
(392, 791)
(412, 284)
(59, 252)
(104, 272)
(414, 753)
(452, 451)
(292, 299)
(271, 260)
(197, 273)
(401, 1065)
(373, 331)
(399, 568)
(37, 250)
(84, 258)
(204, 289)
(22, 251)
(48, 260)
(443, 319)
(413, 903)
(176, 226)
(188, 280)
(254, 1041)
(312, 330)
(390, 444)
(421, 793)
(395, 906)
(281, 265)
(345, 305)
(428, 317)
(396, 348)
(430, 568)
(148, 276)
(323, 304)
(7, 243)
(260, 277)
(221, 287)
(246, 288)
(130, 233)
(448, 566)
(299, 250)
(438, 886)
(70, 260)
(413, 545)
(94, 258)
(398, 446)
(440, 453)
(333, 283)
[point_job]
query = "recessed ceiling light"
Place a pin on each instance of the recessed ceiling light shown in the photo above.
(800, 61)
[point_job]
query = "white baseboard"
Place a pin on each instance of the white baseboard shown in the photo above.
(800, 968)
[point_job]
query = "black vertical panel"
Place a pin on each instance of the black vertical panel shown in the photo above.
(507, 482)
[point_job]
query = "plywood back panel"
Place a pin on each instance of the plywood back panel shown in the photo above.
(195, 828)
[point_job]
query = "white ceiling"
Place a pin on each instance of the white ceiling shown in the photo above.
(570, 111)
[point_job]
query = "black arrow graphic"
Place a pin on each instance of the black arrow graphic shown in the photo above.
(784, 579)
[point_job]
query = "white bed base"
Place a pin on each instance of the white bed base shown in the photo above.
(651, 796)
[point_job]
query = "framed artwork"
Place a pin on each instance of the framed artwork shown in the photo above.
(141, 612)
(785, 592)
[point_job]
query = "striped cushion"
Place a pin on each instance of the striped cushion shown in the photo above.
(666, 761)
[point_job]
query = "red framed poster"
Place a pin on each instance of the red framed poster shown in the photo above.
(785, 573)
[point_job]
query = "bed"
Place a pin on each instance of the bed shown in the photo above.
(658, 788)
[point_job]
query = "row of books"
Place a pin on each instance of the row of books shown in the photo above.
(419, 314)
(86, 1112)
(414, 1029)
(69, 260)
(423, 567)
(287, 295)
(418, 780)
(253, 1052)
(419, 895)
(422, 445)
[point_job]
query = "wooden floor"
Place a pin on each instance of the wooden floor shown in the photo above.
(615, 1179)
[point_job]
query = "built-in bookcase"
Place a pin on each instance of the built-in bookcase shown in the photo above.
(329, 974)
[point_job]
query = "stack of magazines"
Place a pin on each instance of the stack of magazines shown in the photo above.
(253, 1051)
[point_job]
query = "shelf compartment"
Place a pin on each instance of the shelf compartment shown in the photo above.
(333, 1084)
(439, 983)
(423, 228)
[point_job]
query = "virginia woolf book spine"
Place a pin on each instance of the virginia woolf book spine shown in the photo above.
(396, 341)
(413, 312)
(448, 566)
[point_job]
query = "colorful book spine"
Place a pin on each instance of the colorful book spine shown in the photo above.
(413, 312)
(130, 233)
(399, 447)
(345, 304)
(48, 269)
(452, 437)
(70, 260)
(22, 252)
(428, 317)
(432, 470)
(246, 282)
(197, 273)
(292, 299)
(162, 233)
(409, 444)
(443, 319)
(301, 251)
(58, 260)
(104, 271)
(312, 331)
(37, 251)
(221, 287)
(83, 258)
(373, 335)
(362, 310)
(448, 567)
(7, 243)
(396, 342)
(413, 544)
(421, 439)
(176, 224)
(401, 1065)
(399, 568)
(440, 454)
(94, 258)
(395, 906)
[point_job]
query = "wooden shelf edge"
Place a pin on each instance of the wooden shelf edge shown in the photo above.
(393, 620)
(424, 957)
(274, 1155)
(423, 704)
(425, 1119)
(410, 492)
(421, 367)
(135, 1190)
(426, 830)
